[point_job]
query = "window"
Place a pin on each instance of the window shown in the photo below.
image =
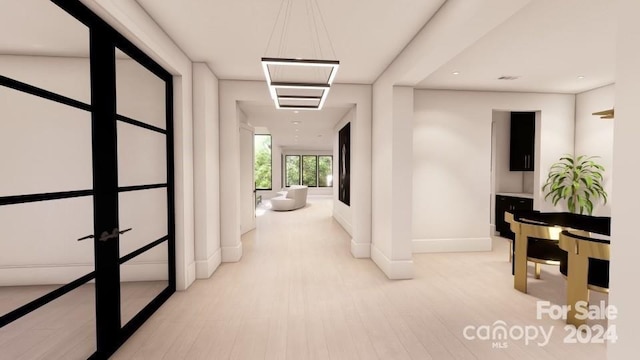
(292, 170)
(262, 157)
(325, 171)
(310, 170)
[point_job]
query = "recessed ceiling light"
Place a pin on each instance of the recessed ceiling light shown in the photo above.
(297, 130)
(580, 77)
(296, 111)
(456, 73)
(295, 122)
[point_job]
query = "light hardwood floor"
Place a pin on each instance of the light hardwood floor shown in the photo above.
(297, 293)
(64, 329)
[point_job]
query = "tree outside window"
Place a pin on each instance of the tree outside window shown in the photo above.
(262, 156)
(310, 170)
(292, 165)
(325, 171)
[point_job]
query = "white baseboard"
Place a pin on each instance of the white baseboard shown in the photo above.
(492, 229)
(191, 274)
(143, 271)
(394, 269)
(205, 268)
(65, 273)
(451, 245)
(232, 253)
(360, 250)
(43, 274)
(345, 225)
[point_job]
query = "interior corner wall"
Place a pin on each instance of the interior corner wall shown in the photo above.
(206, 135)
(341, 211)
(452, 157)
(128, 18)
(594, 136)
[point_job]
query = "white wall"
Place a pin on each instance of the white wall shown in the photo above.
(247, 178)
(625, 246)
(206, 170)
(594, 136)
(452, 153)
(341, 211)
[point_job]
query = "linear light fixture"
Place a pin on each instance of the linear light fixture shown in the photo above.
(311, 63)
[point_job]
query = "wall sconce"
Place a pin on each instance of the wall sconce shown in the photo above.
(605, 114)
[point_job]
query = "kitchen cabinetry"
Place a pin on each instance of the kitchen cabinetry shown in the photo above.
(509, 203)
(521, 151)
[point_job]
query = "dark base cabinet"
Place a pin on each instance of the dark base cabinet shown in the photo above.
(509, 203)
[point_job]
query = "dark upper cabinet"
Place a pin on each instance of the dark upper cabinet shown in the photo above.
(523, 130)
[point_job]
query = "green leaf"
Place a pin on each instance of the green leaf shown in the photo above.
(577, 180)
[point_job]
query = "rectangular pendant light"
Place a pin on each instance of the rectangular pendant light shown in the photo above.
(294, 101)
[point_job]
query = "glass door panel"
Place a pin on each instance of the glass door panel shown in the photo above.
(39, 248)
(142, 156)
(143, 186)
(45, 146)
(145, 213)
(38, 37)
(140, 93)
(65, 328)
(71, 273)
(143, 278)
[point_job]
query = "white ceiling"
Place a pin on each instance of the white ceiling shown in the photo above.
(314, 132)
(232, 36)
(549, 44)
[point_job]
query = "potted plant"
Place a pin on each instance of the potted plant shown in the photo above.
(578, 180)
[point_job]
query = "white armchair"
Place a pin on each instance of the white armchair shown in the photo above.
(295, 198)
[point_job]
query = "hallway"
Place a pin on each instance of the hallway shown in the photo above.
(298, 293)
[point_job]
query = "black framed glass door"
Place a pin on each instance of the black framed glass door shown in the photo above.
(86, 192)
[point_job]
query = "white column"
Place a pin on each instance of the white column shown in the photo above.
(229, 173)
(206, 170)
(392, 180)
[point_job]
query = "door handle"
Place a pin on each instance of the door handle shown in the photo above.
(106, 235)
(86, 237)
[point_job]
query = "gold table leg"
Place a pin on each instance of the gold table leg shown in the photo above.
(577, 286)
(520, 265)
